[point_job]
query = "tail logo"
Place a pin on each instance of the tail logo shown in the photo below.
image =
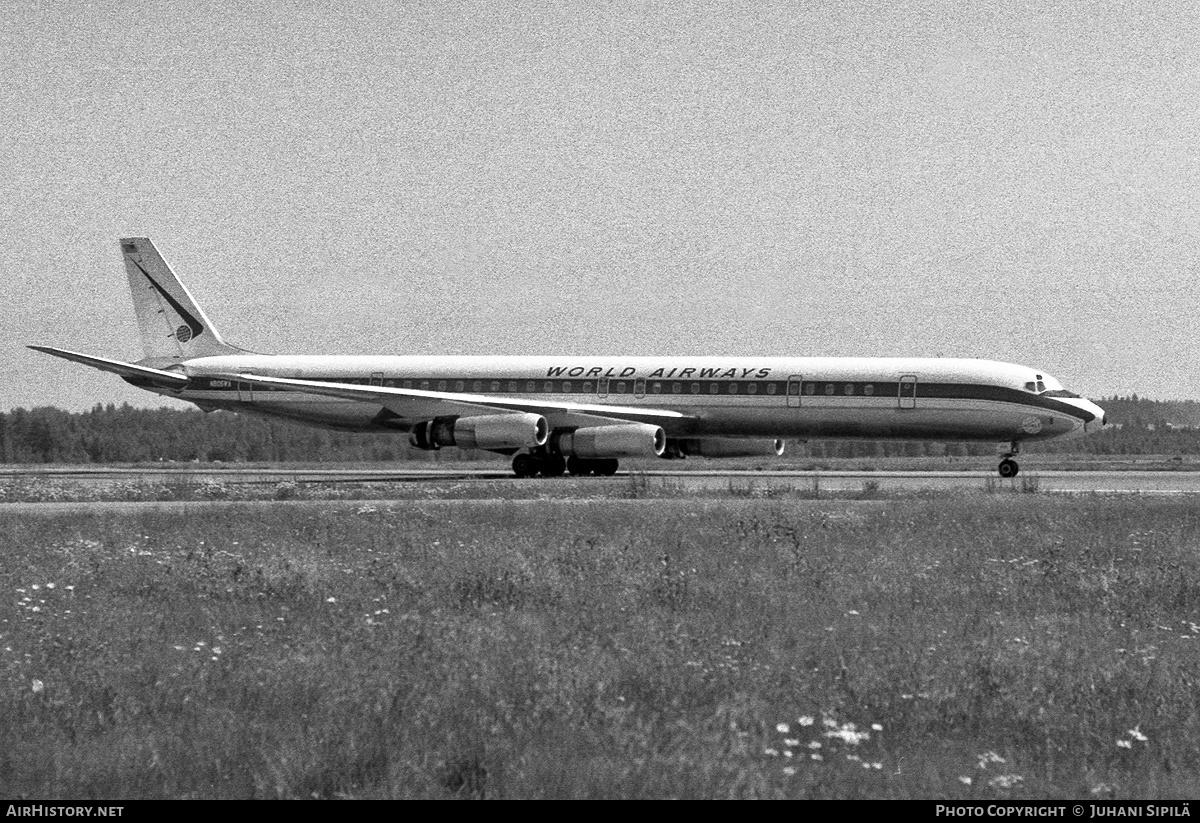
(193, 328)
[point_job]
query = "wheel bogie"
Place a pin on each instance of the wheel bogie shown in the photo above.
(1008, 468)
(553, 465)
(525, 465)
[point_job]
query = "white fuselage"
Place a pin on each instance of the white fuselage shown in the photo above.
(760, 397)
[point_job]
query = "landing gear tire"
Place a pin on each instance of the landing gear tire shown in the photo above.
(578, 467)
(1009, 468)
(553, 465)
(525, 465)
(607, 467)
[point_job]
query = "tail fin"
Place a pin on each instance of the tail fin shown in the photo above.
(173, 326)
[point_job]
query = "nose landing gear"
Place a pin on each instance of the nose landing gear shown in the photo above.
(1008, 466)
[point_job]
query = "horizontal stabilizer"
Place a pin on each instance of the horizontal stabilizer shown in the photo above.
(162, 378)
(395, 399)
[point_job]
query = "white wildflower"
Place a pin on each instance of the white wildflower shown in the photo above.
(1005, 781)
(989, 757)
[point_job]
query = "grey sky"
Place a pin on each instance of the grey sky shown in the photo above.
(1017, 181)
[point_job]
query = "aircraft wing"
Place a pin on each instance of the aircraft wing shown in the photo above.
(416, 404)
(169, 379)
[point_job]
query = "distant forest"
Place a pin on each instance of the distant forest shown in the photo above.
(124, 434)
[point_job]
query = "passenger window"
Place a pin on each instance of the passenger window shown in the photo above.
(868, 390)
(770, 388)
(714, 387)
(408, 384)
(530, 387)
(566, 388)
(695, 388)
(733, 388)
(512, 385)
(424, 385)
(587, 388)
(548, 387)
(849, 389)
(495, 385)
(676, 388)
(621, 387)
(810, 388)
(752, 388)
(828, 388)
(656, 388)
(441, 385)
(459, 385)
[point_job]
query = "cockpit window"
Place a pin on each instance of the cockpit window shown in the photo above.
(1047, 386)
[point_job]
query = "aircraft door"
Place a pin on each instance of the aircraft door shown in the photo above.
(908, 391)
(602, 387)
(793, 391)
(376, 378)
(245, 391)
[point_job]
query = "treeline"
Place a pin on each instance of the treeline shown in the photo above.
(124, 434)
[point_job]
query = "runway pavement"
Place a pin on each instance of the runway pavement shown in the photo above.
(1044, 481)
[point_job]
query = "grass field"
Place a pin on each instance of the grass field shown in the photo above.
(959, 646)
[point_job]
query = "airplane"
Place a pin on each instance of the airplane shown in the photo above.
(580, 415)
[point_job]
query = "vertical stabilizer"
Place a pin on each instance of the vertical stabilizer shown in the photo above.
(173, 326)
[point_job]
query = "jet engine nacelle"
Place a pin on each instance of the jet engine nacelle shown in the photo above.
(724, 447)
(491, 431)
(624, 440)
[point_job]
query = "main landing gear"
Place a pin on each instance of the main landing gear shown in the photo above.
(1008, 466)
(555, 465)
